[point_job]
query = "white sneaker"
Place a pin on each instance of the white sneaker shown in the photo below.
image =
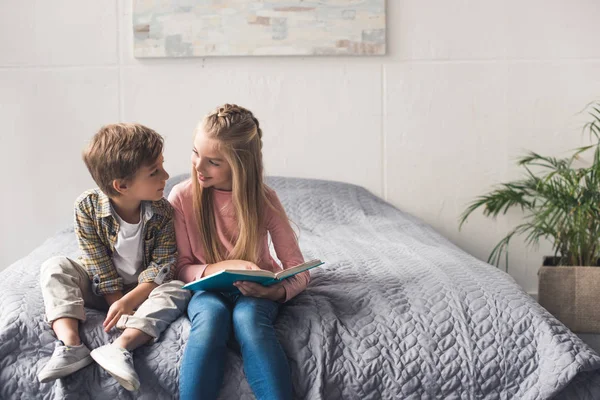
(119, 363)
(64, 361)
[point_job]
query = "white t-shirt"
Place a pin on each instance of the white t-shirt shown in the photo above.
(129, 249)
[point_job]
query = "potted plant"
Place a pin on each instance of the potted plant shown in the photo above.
(560, 199)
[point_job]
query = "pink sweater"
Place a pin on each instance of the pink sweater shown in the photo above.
(192, 262)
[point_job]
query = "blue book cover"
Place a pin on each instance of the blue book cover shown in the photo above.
(223, 281)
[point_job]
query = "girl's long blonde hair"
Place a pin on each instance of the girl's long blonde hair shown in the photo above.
(240, 141)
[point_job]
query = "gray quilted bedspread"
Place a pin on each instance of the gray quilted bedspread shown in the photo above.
(396, 312)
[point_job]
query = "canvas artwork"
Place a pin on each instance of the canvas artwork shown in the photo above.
(199, 28)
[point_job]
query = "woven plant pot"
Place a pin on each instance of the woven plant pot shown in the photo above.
(572, 295)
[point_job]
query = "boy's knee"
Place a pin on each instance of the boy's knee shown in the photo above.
(173, 291)
(172, 287)
(56, 265)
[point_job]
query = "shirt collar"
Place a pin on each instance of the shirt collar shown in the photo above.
(105, 209)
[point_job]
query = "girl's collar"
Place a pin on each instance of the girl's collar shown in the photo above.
(222, 191)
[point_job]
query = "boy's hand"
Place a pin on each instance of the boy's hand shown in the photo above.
(118, 308)
(274, 292)
(112, 297)
(125, 304)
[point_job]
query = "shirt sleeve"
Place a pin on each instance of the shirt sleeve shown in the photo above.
(162, 266)
(95, 257)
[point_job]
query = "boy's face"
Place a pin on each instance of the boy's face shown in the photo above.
(212, 169)
(149, 182)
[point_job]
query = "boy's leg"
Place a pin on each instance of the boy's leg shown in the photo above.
(265, 363)
(203, 363)
(65, 288)
(165, 304)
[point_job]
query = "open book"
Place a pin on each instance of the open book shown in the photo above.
(223, 281)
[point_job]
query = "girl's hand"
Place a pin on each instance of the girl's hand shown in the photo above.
(274, 292)
(236, 264)
(228, 264)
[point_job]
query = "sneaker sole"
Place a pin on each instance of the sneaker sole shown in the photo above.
(65, 371)
(126, 380)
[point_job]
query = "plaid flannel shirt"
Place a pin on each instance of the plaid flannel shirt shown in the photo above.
(97, 230)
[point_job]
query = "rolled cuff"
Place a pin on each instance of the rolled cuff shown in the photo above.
(102, 287)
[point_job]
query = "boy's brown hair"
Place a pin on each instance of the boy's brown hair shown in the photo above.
(118, 151)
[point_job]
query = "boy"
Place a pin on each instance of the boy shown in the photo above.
(125, 233)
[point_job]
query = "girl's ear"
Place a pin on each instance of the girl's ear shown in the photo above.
(120, 185)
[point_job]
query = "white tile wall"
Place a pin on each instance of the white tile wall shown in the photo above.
(465, 88)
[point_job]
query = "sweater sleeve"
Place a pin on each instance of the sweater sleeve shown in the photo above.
(286, 246)
(188, 268)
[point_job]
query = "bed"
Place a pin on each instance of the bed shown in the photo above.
(396, 312)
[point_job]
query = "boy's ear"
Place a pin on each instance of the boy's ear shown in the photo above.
(120, 185)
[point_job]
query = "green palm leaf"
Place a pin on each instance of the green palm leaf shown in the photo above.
(561, 203)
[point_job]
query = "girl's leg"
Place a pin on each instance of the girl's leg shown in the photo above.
(265, 362)
(203, 363)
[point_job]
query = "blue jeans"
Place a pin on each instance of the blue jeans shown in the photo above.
(203, 364)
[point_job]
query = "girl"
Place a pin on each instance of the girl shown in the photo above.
(222, 217)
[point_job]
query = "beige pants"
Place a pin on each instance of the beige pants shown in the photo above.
(66, 288)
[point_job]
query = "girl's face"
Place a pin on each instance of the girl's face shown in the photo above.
(212, 170)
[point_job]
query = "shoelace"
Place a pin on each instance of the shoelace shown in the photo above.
(128, 357)
(61, 347)
(62, 350)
